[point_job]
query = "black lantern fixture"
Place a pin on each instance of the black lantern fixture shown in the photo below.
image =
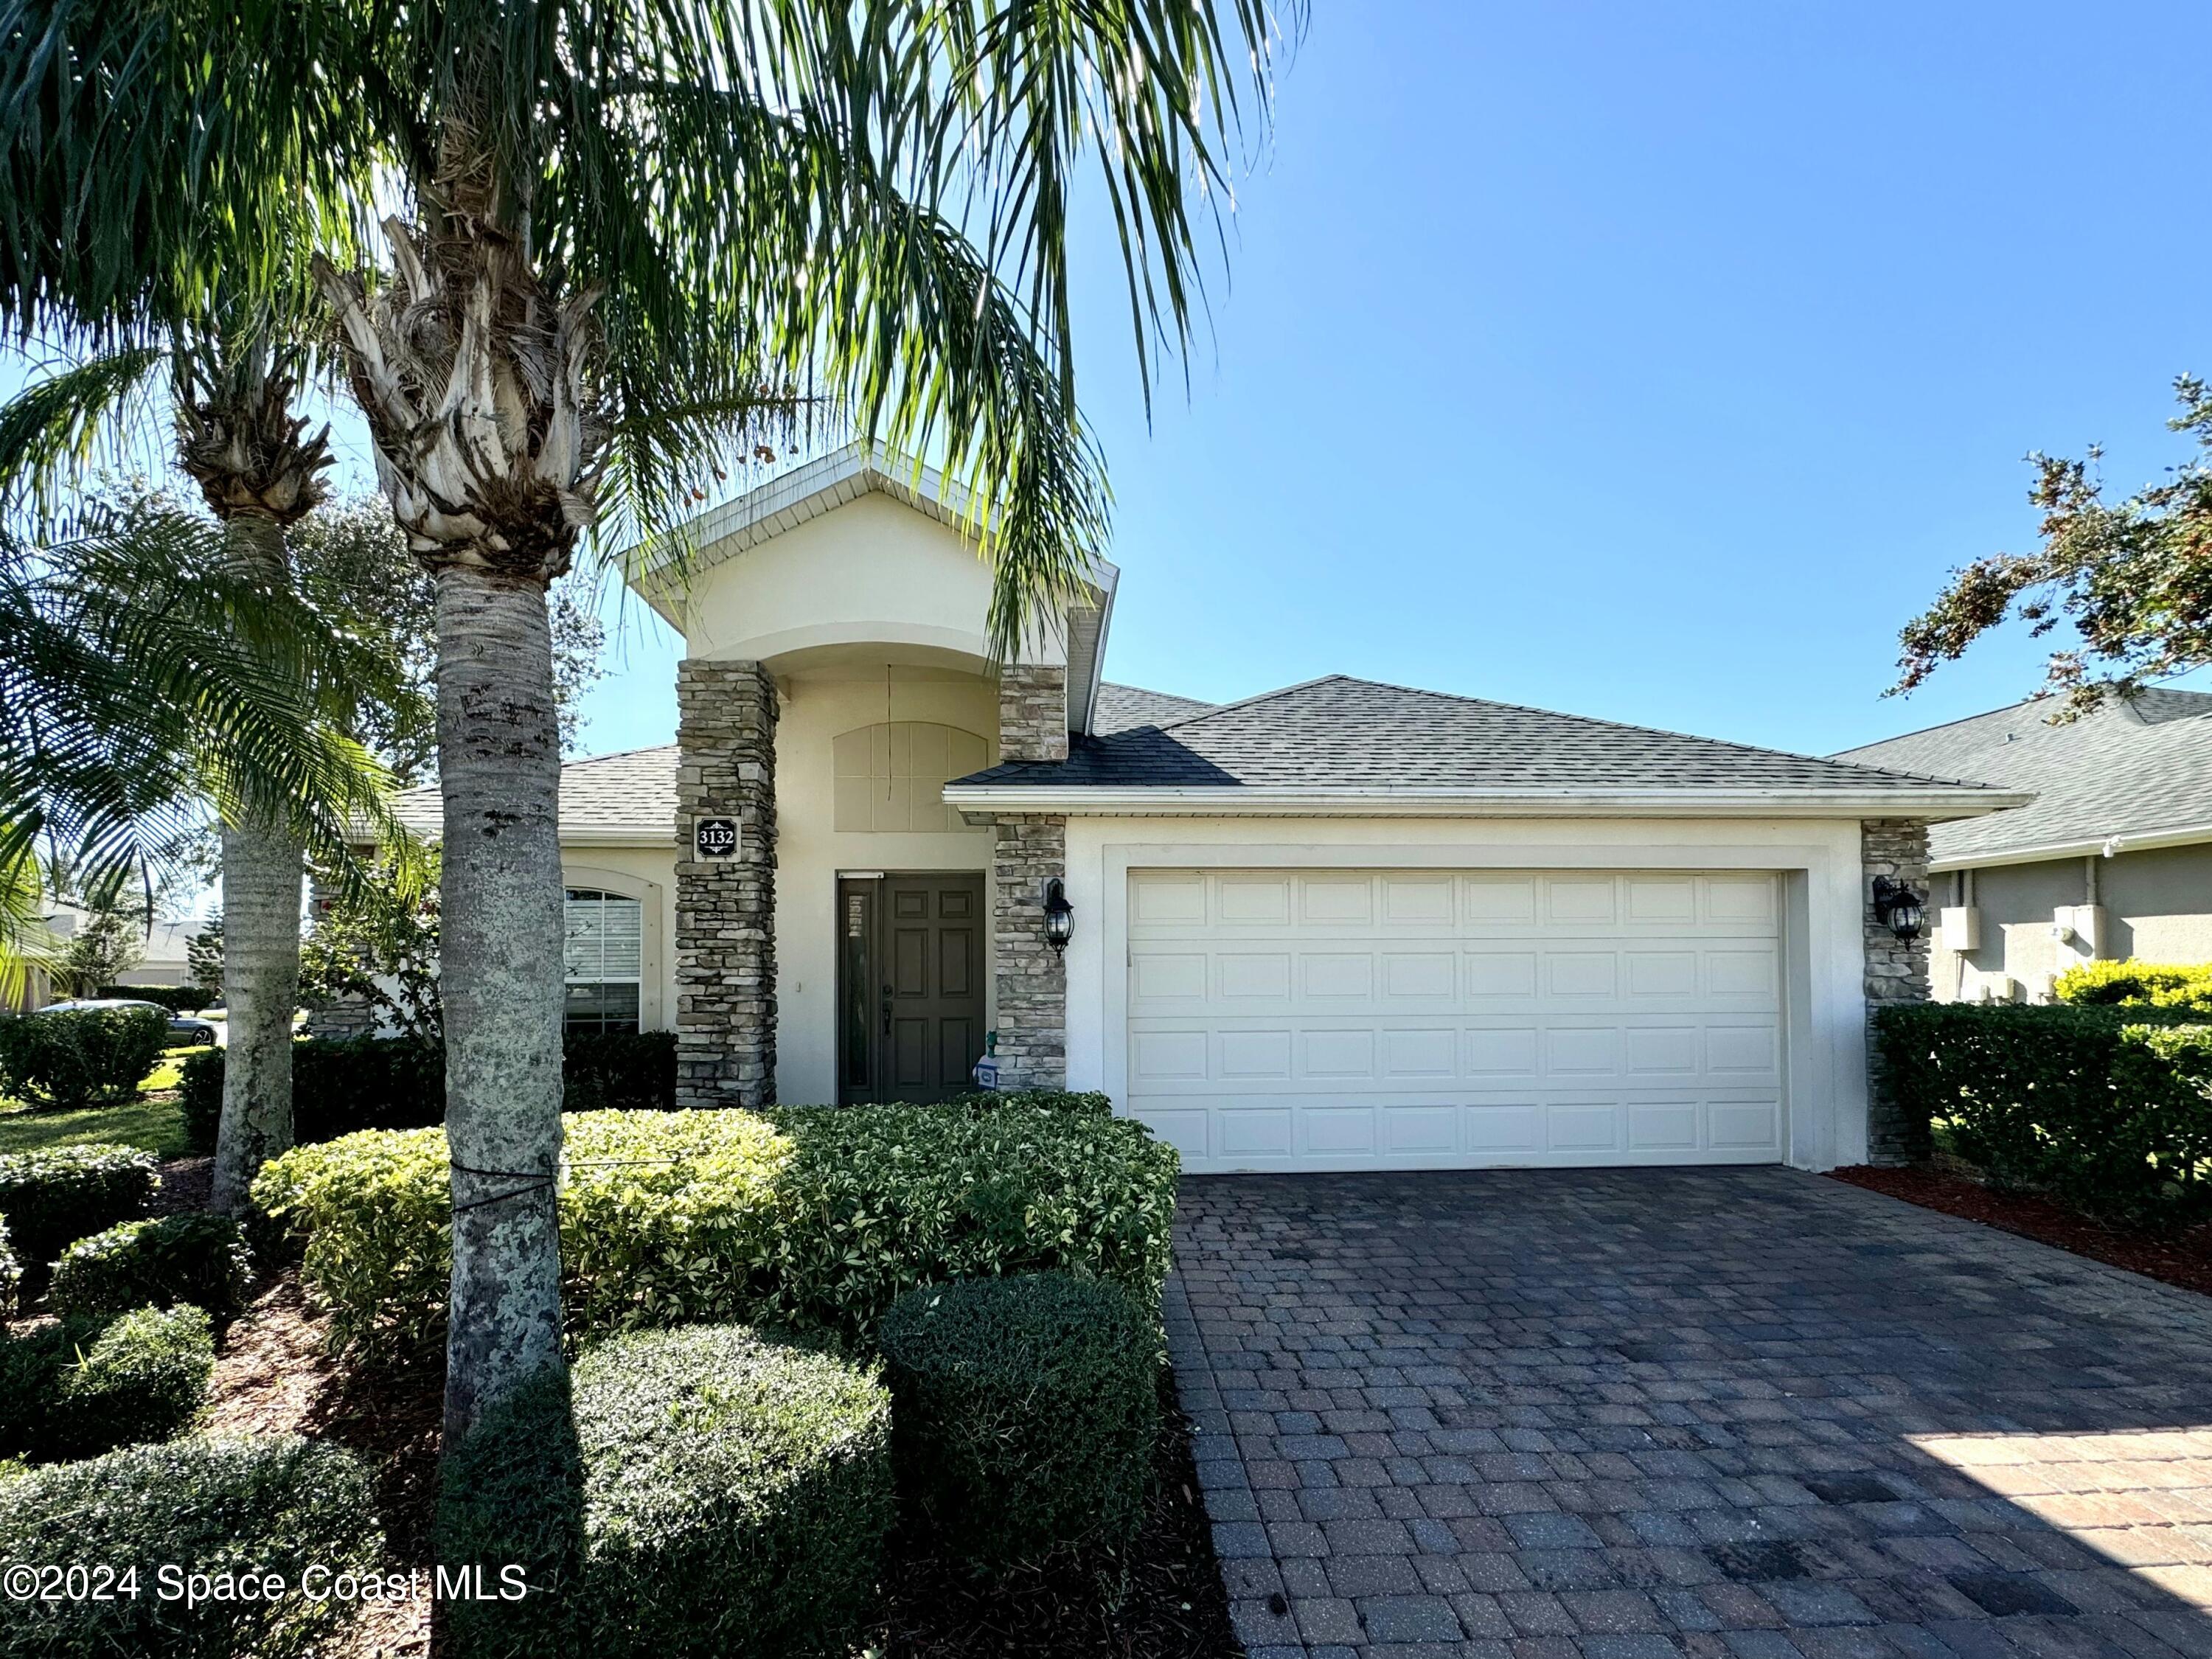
(1898, 907)
(1059, 913)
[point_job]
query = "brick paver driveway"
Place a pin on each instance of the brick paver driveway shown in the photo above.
(1628, 1414)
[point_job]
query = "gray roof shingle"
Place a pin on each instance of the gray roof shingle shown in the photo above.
(632, 791)
(1340, 733)
(2128, 770)
(1122, 706)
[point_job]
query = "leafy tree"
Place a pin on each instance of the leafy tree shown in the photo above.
(203, 958)
(377, 948)
(107, 945)
(629, 243)
(2133, 577)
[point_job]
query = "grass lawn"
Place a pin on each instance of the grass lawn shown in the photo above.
(157, 1125)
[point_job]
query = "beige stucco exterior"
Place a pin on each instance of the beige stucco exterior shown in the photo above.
(2153, 905)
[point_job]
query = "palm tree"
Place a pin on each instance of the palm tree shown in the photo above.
(145, 678)
(630, 237)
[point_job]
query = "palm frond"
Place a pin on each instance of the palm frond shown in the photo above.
(61, 426)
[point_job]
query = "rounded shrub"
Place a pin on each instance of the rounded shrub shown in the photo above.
(197, 1258)
(270, 1505)
(82, 1058)
(1024, 1413)
(702, 1491)
(55, 1195)
(82, 1387)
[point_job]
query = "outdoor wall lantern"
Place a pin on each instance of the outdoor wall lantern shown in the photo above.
(1059, 913)
(1899, 909)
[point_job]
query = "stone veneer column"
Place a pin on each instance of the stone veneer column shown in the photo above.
(1031, 978)
(726, 907)
(1896, 971)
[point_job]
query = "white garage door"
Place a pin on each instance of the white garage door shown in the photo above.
(1347, 1019)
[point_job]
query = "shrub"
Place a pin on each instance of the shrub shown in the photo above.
(344, 1086)
(89, 1057)
(12, 1273)
(81, 1387)
(2150, 984)
(1083, 1103)
(197, 1258)
(177, 999)
(810, 1219)
(1024, 1413)
(693, 1491)
(275, 1503)
(2106, 1109)
(56, 1195)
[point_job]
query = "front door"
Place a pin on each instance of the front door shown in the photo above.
(909, 987)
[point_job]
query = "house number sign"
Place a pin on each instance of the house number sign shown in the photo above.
(714, 838)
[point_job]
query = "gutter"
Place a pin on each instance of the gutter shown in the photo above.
(2101, 847)
(1933, 804)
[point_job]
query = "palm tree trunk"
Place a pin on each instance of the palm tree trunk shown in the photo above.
(500, 972)
(262, 869)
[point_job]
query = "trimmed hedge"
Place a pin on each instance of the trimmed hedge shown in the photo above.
(2106, 1109)
(698, 1492)
(276, 1504)
(197, 1258)
(55, 1195)
(2150, 984)
(177, 999)
(82, 1387)
(341, 1086)
(807, 1218)
(89, 1057)
(1023, 1413)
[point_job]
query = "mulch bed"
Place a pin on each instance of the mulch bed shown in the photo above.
(2183, 1259)
(1163, 1600)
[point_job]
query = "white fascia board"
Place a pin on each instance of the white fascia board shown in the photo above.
(1107, 580)
(1934, 805)
(598, 834)
(2102, 846)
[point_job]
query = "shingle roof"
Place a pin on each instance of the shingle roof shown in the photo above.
(633, 791)
(1122, 706)
(2128, 770)
(1345, 733)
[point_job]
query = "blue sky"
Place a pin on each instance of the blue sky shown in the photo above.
(1652, 363)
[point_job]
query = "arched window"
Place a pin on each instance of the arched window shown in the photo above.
(604, 952)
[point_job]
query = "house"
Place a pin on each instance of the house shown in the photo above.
(2111, 859)
(1339, 926)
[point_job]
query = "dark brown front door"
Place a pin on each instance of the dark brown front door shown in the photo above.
(909, 987)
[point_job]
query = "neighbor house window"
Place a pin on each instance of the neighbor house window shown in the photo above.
(605, 957)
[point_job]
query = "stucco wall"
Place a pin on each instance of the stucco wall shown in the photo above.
(1819, 861)
(2158, 905)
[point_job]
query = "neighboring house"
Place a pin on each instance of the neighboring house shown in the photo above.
(2111, 859)
(1339, 926)
(162, 964)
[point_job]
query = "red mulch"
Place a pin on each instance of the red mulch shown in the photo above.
(2183, 1259)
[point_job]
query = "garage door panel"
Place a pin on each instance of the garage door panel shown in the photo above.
(1421, 1018)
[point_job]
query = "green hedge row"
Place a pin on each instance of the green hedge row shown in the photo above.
(89, 1057)
(177, 999)
(272, 1504)
(77, 1388)
(2108, 1109)
(697, 1491)
(55, 1195)
(2131, 983)
(341, 1086)
(810, 1218)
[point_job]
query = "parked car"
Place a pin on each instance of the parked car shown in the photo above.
(182, 1028)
